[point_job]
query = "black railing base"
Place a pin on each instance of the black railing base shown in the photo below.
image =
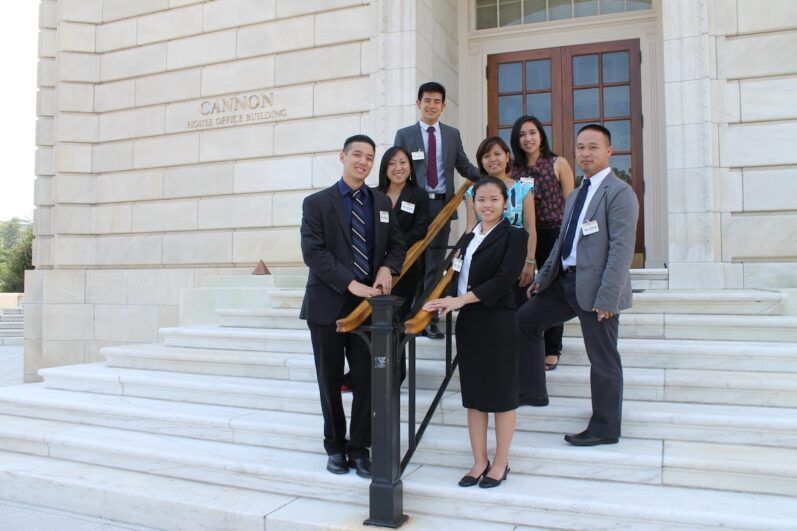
(386, 499)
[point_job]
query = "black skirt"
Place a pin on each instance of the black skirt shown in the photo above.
(487, 345)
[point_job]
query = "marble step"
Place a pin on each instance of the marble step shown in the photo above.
(712, 423)
(656, 384)
(524, 500)
(129, 497)
(5, 325)
(720, 354)
(12, 341)
(12, 332)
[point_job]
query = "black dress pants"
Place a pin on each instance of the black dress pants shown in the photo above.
(554, 306)
(546, 238)
(437, 250)
(330, 348)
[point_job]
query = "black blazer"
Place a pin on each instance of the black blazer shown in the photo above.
(496, 265)
(413, 226)
(327, 251)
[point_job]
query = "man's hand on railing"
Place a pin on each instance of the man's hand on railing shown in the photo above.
(361, 290)
(384, 280)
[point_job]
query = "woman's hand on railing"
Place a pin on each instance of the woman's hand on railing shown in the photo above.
(444, 305)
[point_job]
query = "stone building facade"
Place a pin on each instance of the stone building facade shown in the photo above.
(177, 138)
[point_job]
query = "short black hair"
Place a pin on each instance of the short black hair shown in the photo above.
(431, 86)
(384, 181)
(490, 180)
(599, 128)
(358, 138)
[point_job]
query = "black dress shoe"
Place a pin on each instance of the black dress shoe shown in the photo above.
(337, 464)
(361, 466)
(536, 401)
(585, 438)
(488, 483)
(432, 332)
(469, 481)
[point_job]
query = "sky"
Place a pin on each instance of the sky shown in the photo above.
(19, 33)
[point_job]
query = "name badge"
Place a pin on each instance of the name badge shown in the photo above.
(456, 263)
(384, 217)
(527, 180)
(408, 207)
(589, 227)
(418, 155)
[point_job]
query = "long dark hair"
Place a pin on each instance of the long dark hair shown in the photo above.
(487, 144)
(521, 159)
(384, 182)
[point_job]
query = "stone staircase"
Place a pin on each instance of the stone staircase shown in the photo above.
(12, 327)
(218, 427)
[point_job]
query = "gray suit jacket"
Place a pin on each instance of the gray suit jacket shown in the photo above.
(603, 259)
(411, 139)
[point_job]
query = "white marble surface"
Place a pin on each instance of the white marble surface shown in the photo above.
(11, 365)
(20, 516)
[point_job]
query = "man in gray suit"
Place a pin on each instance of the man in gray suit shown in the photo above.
(436, 150)
(586, 276)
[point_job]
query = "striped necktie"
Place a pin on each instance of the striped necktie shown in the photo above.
(362, 263)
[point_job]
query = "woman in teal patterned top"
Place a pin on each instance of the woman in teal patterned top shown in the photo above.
(493, 158)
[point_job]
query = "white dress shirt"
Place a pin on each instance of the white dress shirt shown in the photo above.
(441, 173)
(595, 182)
(464, 273)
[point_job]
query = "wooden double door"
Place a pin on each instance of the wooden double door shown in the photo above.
(567, 88)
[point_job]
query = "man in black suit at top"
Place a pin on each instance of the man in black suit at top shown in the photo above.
(436, 150)
(352, 244)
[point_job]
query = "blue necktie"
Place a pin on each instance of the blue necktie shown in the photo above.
(362, 264)
(567, 245)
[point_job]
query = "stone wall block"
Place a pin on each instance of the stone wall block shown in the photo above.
(73, 37)
(758, 144)
(198, 248)
(330, 62)
(237, 143)
(224, 14)
(148, 121)
(78, 67)
(64, 286)
(48, 14)
(133, 62)
(77, 127)
(274, 37)
(128, 323)
(169, 150)
(198, 181)
(235, 212)
(292, 137)
(288, 208)
(33, 321)
(760, 183)
(124, 251)
(165, 216)
(291, 8)
(269, 175)
(158, 286)
(75, 97)
(45, 73)
(769, 99)
(130, 186)
(45, 133)
(67, 321)
(43, 190)
(43, 251)
(162, 88)
(75, 158)
(117, 35)
(45, 161)
(774, 15)
(116, 9)
(80, 11)
(43, 221)
(113, 96)
(344, 25)
(72, 219)
(170, 24)
(768, 54)
(274, 246)
(114, 156)
(48, 43)
(238, 76)
(326, 169)
(741, 237)
(111, 219)
(74, 251)
(46, 102)
(202, 50)
(345, 96)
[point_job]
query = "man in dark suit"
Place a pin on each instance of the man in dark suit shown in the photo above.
(586, 276)
(352, 244)
(436, 150)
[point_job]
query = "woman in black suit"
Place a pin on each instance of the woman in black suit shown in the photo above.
(411, 206)
(487, 334)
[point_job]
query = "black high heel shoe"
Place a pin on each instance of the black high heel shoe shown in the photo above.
(470, 481)
(487, 482)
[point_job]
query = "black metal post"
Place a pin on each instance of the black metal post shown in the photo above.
(386, 491)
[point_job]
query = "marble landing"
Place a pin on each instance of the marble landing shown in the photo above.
(11, 365)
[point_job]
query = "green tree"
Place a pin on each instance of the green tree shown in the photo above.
(11, 232)
(19, 259)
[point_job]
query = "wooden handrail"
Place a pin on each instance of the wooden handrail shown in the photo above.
(422, 319)
(363, 310)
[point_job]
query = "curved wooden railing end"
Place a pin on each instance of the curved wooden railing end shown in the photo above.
(422, 319)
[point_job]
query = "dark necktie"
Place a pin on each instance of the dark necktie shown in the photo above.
(431, 164)
(362, 264)
(567, 245)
